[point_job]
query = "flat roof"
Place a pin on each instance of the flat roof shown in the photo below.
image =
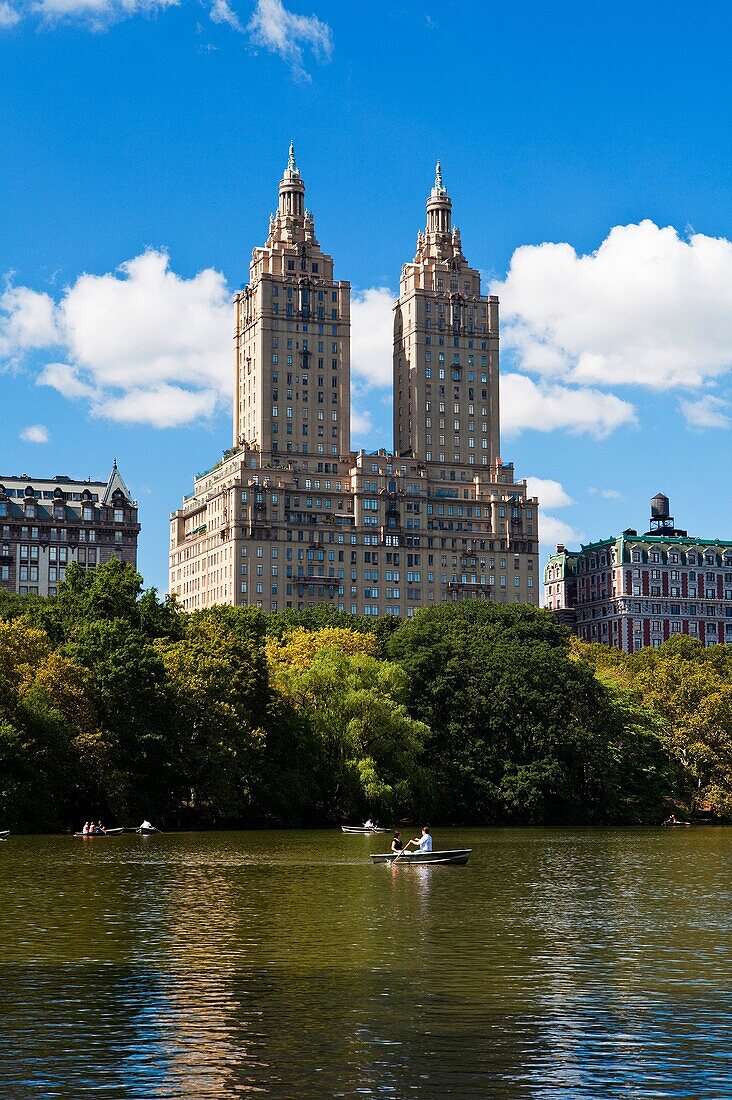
(59, 481)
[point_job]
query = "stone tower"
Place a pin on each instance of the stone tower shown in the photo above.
(446, 403)
(292, 340)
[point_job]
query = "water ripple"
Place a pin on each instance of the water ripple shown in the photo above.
(557, 964)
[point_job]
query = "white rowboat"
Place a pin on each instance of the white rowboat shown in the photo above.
(107, 832)
(456, 856)
(361, 829)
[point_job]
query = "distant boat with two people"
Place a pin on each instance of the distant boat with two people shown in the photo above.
(368, 826)
(673, 822)
(92, 831)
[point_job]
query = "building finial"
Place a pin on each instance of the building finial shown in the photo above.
(291, 166)
(438, 177)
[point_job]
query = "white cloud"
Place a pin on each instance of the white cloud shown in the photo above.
(161, 406)
(142, 344)
(547, 407)
(647, 308)
(9, 16)
(148, 325)
(64, 378)
(276, 29)
(607, 494)
(372, 336)
(35, 433)
(553, 531)
(551, 494)
(361, 422)
(221, 12)
(98, 14)
(706, 412)
(27, 321)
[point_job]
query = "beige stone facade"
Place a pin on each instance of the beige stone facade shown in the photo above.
(292, 340)
(291, 517)
(446, 404)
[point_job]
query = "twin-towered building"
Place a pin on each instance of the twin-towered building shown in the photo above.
(291, 517)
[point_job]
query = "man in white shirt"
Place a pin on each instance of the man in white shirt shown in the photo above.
(423, 842)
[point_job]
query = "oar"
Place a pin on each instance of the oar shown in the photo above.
(400, 853)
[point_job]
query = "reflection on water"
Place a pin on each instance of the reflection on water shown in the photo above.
(558, 963)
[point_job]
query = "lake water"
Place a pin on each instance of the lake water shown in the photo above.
(559, 963)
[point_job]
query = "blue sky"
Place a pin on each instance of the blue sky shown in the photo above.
(586, 149)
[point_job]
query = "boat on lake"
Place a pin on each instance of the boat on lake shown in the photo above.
(97, 834)
(4, 834)
(456, 856)
(363, 829)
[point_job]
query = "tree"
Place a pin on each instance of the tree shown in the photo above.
(520, 732)
(299, 647)
(131, 697)
(280, 623)
(45, 712)
(219, 709)
(367, 745)
(683, 690)
(689, 688)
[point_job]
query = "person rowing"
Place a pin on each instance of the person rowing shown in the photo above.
(368, 824)
(423, 842)
(146, 825)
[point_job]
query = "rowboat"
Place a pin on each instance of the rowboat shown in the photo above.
(4, 834)
(457, 855)
(362, 829)
(96, 836)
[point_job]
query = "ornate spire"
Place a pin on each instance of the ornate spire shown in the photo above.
(292, 189)
(438, 205)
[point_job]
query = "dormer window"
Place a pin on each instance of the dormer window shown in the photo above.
(119, 515)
